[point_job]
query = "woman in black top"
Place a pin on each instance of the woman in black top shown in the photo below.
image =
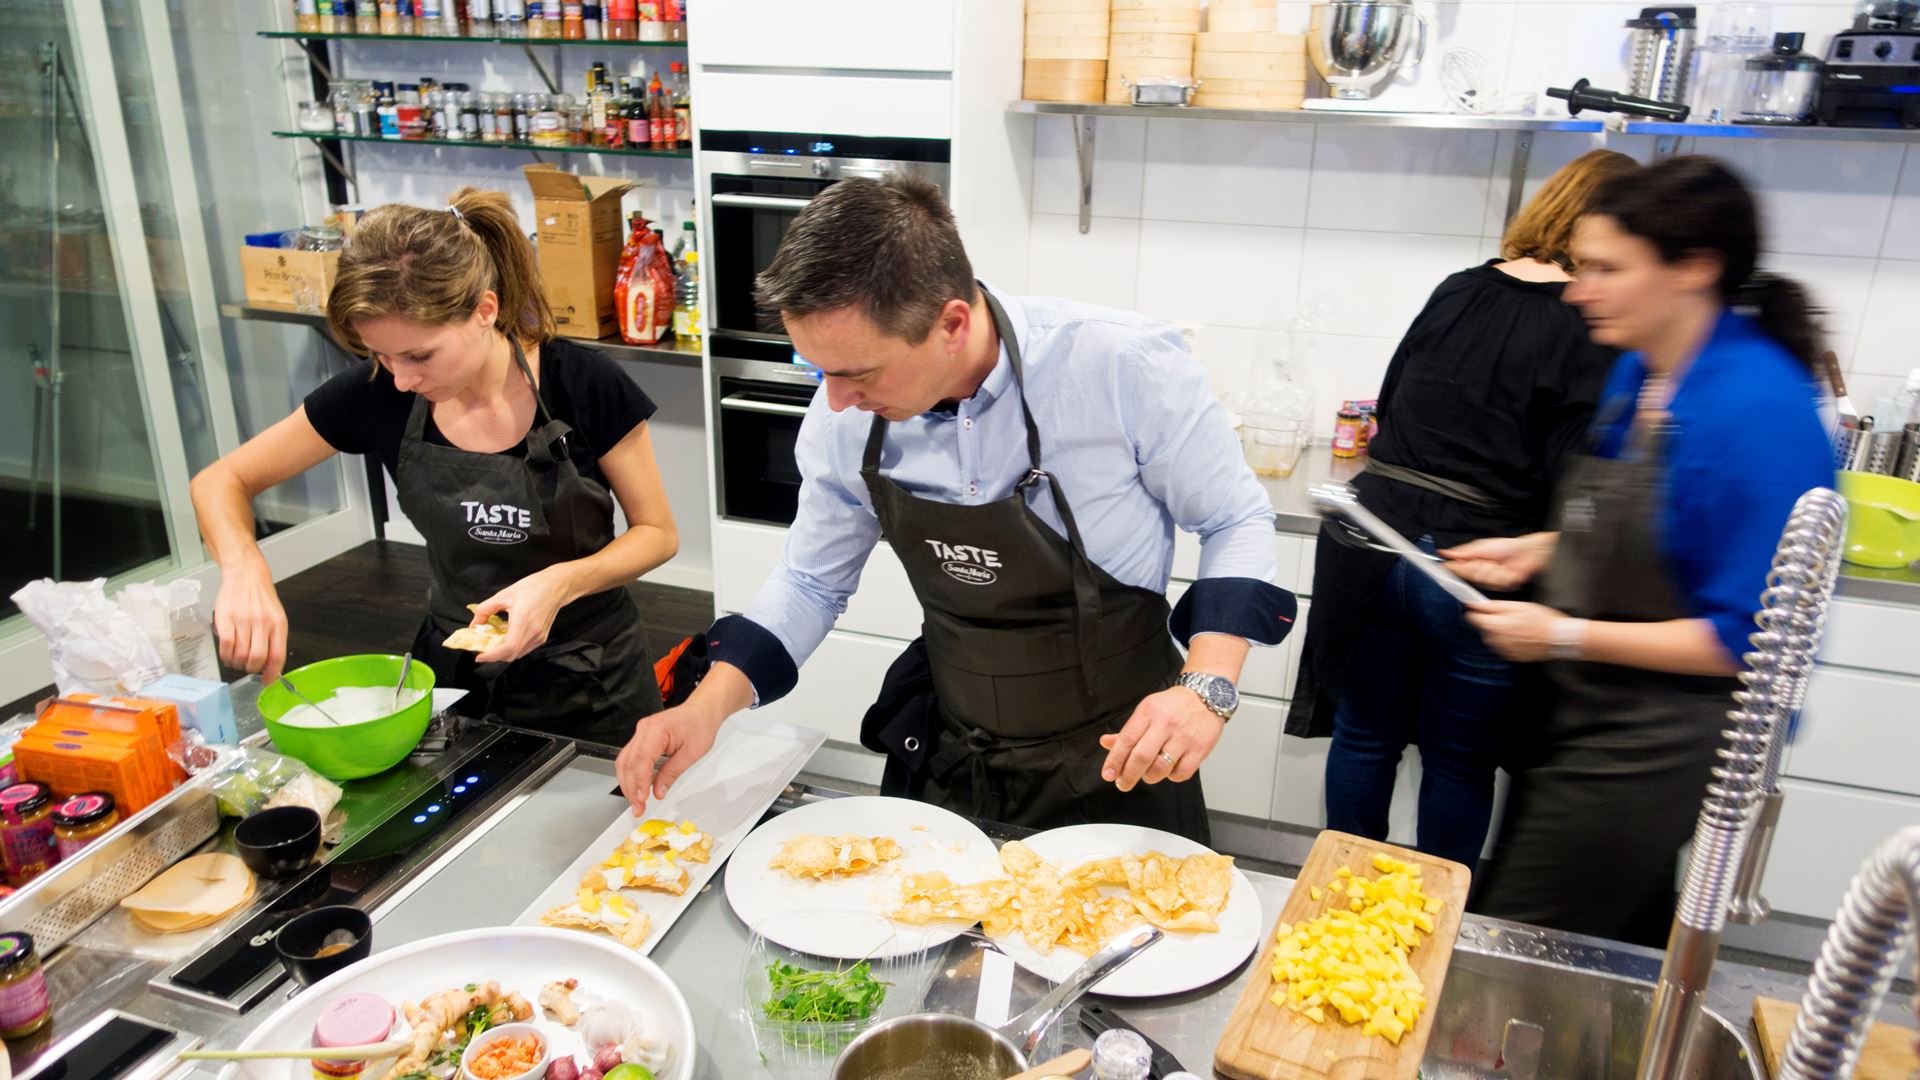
(1490, 390)
(509, 449)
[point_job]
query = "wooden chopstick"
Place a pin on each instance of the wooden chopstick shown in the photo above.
(369, 1052)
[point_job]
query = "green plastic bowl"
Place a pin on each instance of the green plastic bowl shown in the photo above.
(1883, 519)
(350, 751)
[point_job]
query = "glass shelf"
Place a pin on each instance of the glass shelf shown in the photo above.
(489, 40)
(478, 144)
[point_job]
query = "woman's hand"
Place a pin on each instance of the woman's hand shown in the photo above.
(1501, 563)
(530, 605)
(1520, 632)
(248, 619)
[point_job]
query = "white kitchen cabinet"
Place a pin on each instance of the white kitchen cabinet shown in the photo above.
(1238, 775)
(883, 605)
(1825, 833)
(1872, 635)
(858, 103)
(837, 684)
(1289, 551)
(857, 35)
(1859, 728)
(1300, 782)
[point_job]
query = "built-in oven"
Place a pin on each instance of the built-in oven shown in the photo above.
(761, 388)
(756, 182)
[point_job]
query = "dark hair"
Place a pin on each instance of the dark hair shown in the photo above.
(1691, 205)
(889, 247)
(433, 266)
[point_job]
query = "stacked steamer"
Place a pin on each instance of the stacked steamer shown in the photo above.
(1152, 40)
(1066, 50)
(1242, 63)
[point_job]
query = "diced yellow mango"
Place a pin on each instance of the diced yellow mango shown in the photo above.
(1315, 893)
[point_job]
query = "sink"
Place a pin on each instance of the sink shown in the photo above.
(1504, 1016)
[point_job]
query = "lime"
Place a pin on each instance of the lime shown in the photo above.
(629, 1071)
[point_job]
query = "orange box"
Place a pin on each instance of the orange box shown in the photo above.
(125, 716)
(151, 764)
(69, 767)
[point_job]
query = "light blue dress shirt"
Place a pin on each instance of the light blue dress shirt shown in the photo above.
(1128, 427)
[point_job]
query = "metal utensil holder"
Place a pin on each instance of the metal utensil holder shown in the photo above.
(1908, 465)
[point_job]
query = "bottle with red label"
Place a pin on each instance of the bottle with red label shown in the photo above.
(643, 292)
(682, 108)
(659, 115)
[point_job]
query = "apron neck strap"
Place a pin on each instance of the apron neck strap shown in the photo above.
(1002, 328)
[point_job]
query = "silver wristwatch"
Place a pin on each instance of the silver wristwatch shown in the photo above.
(1216, 692)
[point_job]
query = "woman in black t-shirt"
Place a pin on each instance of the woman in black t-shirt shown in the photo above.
(508, 447)
(1489, 391)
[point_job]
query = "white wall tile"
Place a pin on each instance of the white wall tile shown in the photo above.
(1235, 275)
(1839, 286)
(1227, 171)
(1336, 368)
(1555, 44)
(1229, 354)
(1098, 267)
(1887, 345)
(1375, 283)
(1117, 146)
(1399, 180)
(1818, 21)
(1903, 225)
(1818, 198)
(1550, 152)
(1866, 389)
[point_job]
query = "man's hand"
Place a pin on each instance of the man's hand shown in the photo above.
(1174, 723)
(682, 735)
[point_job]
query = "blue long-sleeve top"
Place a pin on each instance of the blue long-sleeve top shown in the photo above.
(1128, 427)
(1746, 442)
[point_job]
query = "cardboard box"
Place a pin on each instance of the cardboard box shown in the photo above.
(278, 275)
(578, 236)
(71, 766)
(205, 706)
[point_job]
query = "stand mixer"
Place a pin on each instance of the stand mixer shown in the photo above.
(1372, 54)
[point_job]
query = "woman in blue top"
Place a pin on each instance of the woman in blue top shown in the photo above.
(1707, 431)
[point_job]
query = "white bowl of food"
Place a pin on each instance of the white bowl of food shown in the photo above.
(507, 1052)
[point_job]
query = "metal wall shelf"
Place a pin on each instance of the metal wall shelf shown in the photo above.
(424, 39)
(478, 144)
(1666, 135)
(614, 347)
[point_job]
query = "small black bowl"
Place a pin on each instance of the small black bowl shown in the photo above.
(279, 842)
(304, 937)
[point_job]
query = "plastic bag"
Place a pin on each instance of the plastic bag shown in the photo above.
(95, 646)
(177, 623)
(251, 781)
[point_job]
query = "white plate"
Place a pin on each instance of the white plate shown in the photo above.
(1186, 960)
(521, 959)
(930, 839)
(724, 794)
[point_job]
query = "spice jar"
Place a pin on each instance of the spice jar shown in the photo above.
(83, 819)
(316, 116)
(24, 1006)
(26, 832)
(1349, 433)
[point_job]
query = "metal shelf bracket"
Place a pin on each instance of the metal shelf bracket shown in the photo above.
(1083, 154)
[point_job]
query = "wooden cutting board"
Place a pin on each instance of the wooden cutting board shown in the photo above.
(1888, 1054)
(1264, 1041)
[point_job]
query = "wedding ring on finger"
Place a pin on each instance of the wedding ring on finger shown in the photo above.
(1171, 763)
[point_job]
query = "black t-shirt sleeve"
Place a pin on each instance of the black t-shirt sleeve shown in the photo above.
(607, 403)
(358, 415)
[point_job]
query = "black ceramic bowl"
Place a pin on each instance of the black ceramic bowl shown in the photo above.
(343, 932)
(278, 842)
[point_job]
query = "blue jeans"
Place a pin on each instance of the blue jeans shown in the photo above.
(1420, 674)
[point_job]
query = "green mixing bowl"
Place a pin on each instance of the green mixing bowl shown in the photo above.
(349, 751)
(1883, 519)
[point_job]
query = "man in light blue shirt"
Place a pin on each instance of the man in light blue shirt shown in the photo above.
(1028, 460)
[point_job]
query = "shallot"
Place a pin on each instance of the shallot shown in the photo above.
(606, 1057)
(563, 1068)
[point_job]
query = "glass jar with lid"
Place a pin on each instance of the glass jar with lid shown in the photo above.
(26, 832)
(24, 1004)
(83, 819)
(1780, 85)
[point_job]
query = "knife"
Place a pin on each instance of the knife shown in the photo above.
(1097, 1018)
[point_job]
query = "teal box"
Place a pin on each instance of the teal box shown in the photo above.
(205, 706)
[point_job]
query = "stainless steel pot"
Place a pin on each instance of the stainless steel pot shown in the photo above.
(942, 1046)
(1356, 45)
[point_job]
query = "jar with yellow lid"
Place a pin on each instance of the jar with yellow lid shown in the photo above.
(83, 819)
(26, 832)
(24, 1005)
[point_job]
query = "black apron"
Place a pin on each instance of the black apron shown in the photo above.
(1029, 652)
(1605, 799)
(492, 519)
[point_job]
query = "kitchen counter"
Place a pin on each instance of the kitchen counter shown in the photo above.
(487, 876)
(1294, 514)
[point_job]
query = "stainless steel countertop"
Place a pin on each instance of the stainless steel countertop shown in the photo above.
(1293, 514)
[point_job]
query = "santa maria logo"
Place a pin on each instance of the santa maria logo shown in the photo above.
(965, 563)
(497, 523)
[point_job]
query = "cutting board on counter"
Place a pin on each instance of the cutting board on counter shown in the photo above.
(1264, 1041)
(1888, 1054)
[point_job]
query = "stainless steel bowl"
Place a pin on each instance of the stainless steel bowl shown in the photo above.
(930, 1046)
(1357, 45)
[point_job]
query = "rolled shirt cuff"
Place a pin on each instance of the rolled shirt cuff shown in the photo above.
(1259, 611)
(758, 654)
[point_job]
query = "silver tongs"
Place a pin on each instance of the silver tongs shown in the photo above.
(1340, 505)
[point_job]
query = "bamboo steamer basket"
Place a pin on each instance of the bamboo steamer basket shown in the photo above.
(1068, 24)
(1156, 22)
(1270, 102)
(1155, 5)
(1250, 42)
(1082, 81)
(1241, 5)
(1151, 46)
(1067, 7)
(1251, 87)
(1242, 20)
(1065, 48)
(1290, 67)
(1078, 93)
